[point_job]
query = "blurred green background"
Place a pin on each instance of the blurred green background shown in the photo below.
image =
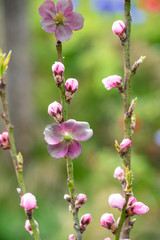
(91, 55)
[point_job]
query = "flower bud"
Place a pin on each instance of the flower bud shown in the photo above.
(107, 238)
(28, 201)
(67, 198)
(112, 81)
(28, 226)
(119, 174)
(134, 207)
(86, 219)
(71, 85)
(80, 200)
(71, 237)
(126, 143)
(4, 140)
(116, 201)
(55, 110)
(58, 68)
(118, 27)
(108, 221)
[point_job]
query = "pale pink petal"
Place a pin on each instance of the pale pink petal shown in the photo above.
(139, 208)
(48, 24)
(82, 131)
(75, 21)
(47, 9)
(64, 6)
(53, 134)
(58, 150)
(63, 33)
(131, 201)
(74, 150)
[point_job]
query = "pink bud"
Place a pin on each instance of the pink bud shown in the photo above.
(116, 201)
(131, 201)
(119, 174)
(108, 221)
(28, 226)
(28, 201)
(107, 238)
(4, 140)
(126, 143)
(55, 110)
(112, 81)
(80, 200)
(71, 237)
(58, 68)
(118, 27)
(86, 219)
(71, 85)
(139, 208)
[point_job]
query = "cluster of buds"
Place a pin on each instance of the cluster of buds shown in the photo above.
(132, 207)
(29, 203)
(4, 140)
(71, 85)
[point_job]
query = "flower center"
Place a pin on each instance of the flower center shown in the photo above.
(67, 137)
(59, 19)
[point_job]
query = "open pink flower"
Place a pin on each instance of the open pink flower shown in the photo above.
(63, 139)
(60, 19)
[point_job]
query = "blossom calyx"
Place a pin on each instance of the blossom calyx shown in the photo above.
(28, 201)
(55, 110)
(4, 140)
(108, 221)
(80, 200)
(116, 201)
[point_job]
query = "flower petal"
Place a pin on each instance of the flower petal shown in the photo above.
(47, 9)
(75, 21)
(74, 150)
(63, 33)
(64, 6)
(53, 134)
(58, 150)
(48, 24)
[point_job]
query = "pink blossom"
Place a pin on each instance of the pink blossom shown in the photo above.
(63, 138)
(112, 81)
(4, 140)
(119, 174)
(58, 68)
(118, 27)
(71, 237)
(134, 207)
(116, 201)
(86, 219)
(28, 201)
(107, 238)
(60, 19)
(55, 110)
(28, 226)
(71, 85)
(126, 143)
(108, 221)
(80, 200)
